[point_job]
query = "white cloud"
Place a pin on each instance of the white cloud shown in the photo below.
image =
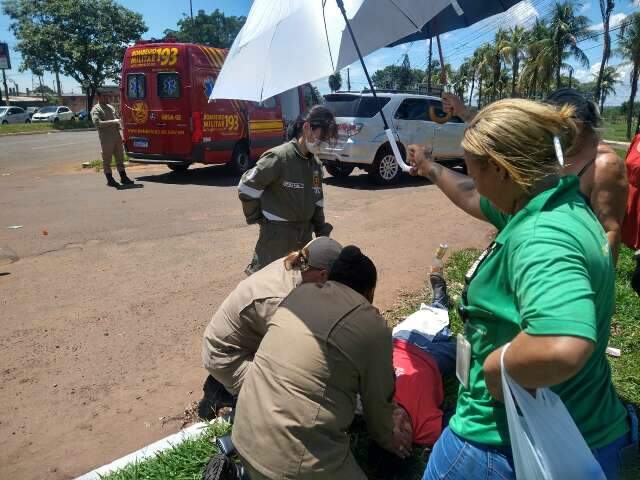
(615, 20)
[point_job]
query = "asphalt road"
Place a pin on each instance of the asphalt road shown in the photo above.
(102, 316)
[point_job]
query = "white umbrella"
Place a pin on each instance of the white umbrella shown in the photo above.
(286, 43)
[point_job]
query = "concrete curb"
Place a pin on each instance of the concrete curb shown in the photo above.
(147, 452)
(617, 144)
(43, 132)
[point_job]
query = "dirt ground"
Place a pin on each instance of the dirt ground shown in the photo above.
(102, 317)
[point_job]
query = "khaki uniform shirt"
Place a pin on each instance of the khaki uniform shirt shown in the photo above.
(106, 120)
(236, 329)
(324, 345)
(284, 186)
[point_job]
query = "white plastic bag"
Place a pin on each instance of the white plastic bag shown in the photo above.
(545, 441)
(428, 321)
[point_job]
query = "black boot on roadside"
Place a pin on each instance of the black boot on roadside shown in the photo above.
(439, 288)
(124, 179)
(111, 182)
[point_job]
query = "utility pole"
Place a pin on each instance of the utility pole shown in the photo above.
(41, 89)
(348, 81)
(6, 90)
(193, 23)
(429, 67)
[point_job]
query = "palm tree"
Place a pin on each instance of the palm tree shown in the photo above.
(610, 77)
(496, 60)
(629, 48)
(335, 82)
(606, 7)
(513, 49)
(484, 55)
(538, 66)
(566, 28)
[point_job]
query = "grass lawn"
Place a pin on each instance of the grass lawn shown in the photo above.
(187, 461)
(615, 130)
(44, 127)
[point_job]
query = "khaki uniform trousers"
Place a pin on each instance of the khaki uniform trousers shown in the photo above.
(111, 145)
(277, 240)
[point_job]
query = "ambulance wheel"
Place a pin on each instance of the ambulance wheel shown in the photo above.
(339, 170)
(240, 160)
(179, 167)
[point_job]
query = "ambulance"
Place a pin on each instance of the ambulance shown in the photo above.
(168, 119)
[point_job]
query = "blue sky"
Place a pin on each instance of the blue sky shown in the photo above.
(162, 14)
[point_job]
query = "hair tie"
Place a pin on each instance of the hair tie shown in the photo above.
(558, 147)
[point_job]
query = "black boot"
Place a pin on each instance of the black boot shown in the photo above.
(221, 467)
(439, 288)
(111, 182)
(124, 179)
(215, 397)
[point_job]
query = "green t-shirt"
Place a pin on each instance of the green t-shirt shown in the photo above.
(549, 272)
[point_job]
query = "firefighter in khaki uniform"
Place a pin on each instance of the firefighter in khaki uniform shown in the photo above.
(324, 344)
(283, 192)
(236, 329)
(107, 123)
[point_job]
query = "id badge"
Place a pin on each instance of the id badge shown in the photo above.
(463, 360)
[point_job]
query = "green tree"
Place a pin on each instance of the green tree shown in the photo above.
(394, 77)
(216, 29)
(566, 28)
(84, 39)
(513, 49)
(484, 55)
(537, 71)
(629, 49)
(606, 7)
(335, 82)
(610, 77)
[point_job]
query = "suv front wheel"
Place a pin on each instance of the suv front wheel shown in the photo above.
(385, 169)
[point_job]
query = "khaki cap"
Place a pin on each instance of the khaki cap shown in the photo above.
(323, 251)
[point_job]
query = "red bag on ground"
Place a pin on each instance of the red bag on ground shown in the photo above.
(631, 225)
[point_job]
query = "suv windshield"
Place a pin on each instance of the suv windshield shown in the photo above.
(348, 105)
(3, 110)
(48, 110)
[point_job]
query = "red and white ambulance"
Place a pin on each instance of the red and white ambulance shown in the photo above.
(168, 119)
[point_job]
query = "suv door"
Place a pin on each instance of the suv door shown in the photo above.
(411, 121)
(65, 114)
(447, 136)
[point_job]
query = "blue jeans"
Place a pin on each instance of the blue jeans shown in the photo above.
(454, 458)
(441, 348)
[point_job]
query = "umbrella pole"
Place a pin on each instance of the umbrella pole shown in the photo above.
(390, 134)
(364, 67)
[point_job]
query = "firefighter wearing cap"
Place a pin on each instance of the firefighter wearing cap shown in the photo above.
(236, 329)
(106, 121)
(283, 192)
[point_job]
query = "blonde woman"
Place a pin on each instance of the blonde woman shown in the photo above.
(546, 284)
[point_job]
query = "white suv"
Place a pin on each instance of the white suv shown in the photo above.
(362, 142)
(53, 114)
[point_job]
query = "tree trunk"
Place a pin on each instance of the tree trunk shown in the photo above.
(514, 80)
(480, 92)
(632, 97)
(558, 66)
(429, 67)
(58, 86)
(534, 84)
(606, 52)
(603, 97)
(473, 81)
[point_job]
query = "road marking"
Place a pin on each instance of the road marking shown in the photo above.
(53, 146)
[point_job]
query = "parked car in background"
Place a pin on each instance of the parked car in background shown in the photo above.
(52, 114)
(362, 141)
(82, 114)
(13, 115)
(32, 110)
